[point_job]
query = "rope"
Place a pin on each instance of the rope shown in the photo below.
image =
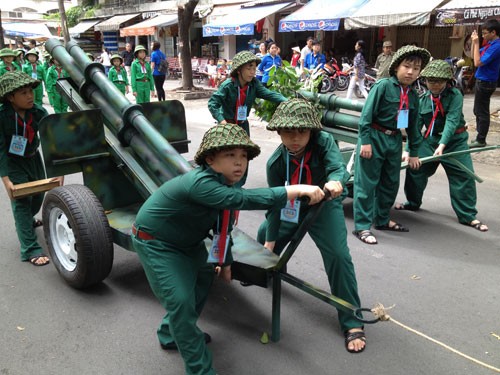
(381, 312)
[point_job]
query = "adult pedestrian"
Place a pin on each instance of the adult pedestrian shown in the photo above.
(358, 69)
(105, 58)
(384, 60)
(157, 56)
(487, 61)
(128, 57)
(306, 50)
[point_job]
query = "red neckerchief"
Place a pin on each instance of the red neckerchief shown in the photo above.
(223, 235)
(240, 100)
(143, 67)
(30, 132)
(295, 176)
(59, 72)
(33, 67)
(117, 70)
(438, 109)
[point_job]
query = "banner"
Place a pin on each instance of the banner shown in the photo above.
(247, 29)
(310, 25)
(468, 16)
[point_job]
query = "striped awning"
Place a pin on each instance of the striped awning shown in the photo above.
(113, 23)
(149, 26)
(83, 26)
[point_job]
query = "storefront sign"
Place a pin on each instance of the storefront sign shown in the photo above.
(310, 25)
(469, 16)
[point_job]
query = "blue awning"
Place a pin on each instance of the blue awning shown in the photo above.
(320, 15)
(241, 21)
(26, 30)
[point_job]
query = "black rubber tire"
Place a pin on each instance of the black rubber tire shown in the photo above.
(93, 240)
(342, 83)
(325, 85)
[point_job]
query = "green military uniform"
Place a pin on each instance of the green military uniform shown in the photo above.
(222, 104)
(4, 68)
(177, 218)
(448, 129)
(35, 71)
(376, 180)
(21, 169)
(55, 99)
(328, 230)
(141, 78)
(118, 75)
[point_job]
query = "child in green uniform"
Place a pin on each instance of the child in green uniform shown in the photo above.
(117, 74)
(141, 77)
(308, 155)
(7, 64)
(55, 72)
(234, 99)
(392, 105)
(19, 60)
(441, 112)
(171, 226)
(35, 70)
(20, 160)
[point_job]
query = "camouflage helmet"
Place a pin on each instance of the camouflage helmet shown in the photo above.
(116, 56)
(224, 136)
(90, 56)
(439, 69)
(138, 48)
(295, 114)
(11, 81)
(242, 58)
(32, 52)
(6, 52)
(18, 51)
(405, 52)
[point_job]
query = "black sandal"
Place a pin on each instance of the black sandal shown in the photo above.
(363, 235)
(477, 226)
(395, 228)
(351, 336)
(33, 260)
(405, 207)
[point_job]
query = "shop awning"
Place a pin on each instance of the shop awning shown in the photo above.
(113, 23)
(83, 26)
(241, 21)
(380, 13)
(26, 30)
(466, 12)
(314, 15)
(149, 26)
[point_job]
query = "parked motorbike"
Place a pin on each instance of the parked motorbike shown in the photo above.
(329, 77)
(341, 77)
(463, 75)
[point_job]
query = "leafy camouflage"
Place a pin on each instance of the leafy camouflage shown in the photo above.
(295, 114)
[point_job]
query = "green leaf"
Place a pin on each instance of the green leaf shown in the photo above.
(264, 339)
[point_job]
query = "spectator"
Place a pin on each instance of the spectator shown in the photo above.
(159, 78)
(105, 60)
(262, 52)
(315, 58)
(306, 51)
(269, 61)
(384, 60)
(487, 61)
(358, 67)
(128, 57)
(295, 57)
(222, 72)
(211, 72)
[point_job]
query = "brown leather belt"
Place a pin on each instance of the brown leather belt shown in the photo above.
(141, 234)
(384, 130)
(143, 80)
(458, 131)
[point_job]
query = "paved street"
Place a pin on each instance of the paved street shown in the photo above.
(442, 277)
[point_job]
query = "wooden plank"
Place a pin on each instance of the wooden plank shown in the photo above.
(35, 187)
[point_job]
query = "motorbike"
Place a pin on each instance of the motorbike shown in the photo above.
(329, 73)
(463, 75)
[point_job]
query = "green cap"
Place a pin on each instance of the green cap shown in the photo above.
(11, 81)
(242, 58)
(32, 52)
(225, 136)
(116, 56)
(295, 114)
(405, 52)
(18, 51)
(439, 69)
(138, 48)
(6, 52)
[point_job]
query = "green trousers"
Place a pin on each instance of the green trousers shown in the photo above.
(23, 170)
(376, 180)
(143, 92)
(330, 236)
(121, 87)
(462, 186)
(181, 283)
(58, 103)
(38, 92)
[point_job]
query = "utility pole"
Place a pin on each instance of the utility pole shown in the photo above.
(64, 22)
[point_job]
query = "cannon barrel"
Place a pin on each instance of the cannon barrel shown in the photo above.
(125, 120)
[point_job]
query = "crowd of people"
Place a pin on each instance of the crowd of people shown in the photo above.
(171, 226)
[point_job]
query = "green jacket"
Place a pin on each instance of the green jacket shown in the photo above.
(444, 127)
(113, 76)
(51, 78)
(382, 107)
(136, 74)
(8, 129)
(326, 164)
(183, 210)
(40, 71)
(3, 68)
(222, 103)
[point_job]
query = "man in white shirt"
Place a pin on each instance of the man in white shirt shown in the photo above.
(306, 51)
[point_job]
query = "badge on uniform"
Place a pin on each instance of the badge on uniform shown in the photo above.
(213, 253)
(291, 212)
(403, 118)
(120, 78)
(18, 145)
(241, 113)
(34, 75)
